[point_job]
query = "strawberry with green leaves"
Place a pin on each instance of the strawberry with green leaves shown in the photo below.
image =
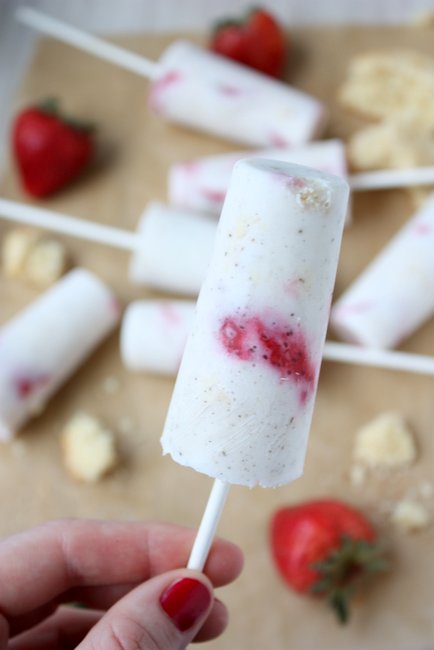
(50, 150)
(257, 41)
(323, 548)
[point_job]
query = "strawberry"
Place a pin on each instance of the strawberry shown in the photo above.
(50, 150)
(257, 41)
(322, 547)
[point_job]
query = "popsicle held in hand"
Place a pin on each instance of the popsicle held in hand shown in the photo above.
(243, 400)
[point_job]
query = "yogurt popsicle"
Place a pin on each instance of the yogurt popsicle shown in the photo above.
(42, 346)
(153, 334)
(243, 400)
(175, 249)
(204, 91)
(170, 251)
(201, 184)
(395, 293)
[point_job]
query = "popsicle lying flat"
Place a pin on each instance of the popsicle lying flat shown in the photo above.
(201, 90)
(243, 400)
(201, 183)
(42, 346)
(154, 333)
(171, 249)
(395, 293)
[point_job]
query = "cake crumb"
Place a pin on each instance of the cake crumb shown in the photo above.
(380, 84)
(386, 442)
(410, 516)
(28, 255)
(89, 450)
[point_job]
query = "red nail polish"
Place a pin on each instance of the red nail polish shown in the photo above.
(185, 601)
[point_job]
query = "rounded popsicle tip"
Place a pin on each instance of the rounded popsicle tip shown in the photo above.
(296, 176)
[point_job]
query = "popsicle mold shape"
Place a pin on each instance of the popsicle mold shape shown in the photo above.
(43, 345)
(394, 295)
(243, 400)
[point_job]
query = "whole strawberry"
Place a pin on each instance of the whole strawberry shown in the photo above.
(50, 150)
(322, 547)
(257, 41)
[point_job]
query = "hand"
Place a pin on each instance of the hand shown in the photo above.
(127, 574)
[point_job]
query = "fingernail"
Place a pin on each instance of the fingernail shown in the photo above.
(185, 602)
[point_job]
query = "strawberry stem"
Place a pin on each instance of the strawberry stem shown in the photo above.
(339, 601)
(51, 106)
(337, 572)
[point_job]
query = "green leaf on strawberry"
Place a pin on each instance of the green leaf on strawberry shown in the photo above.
(323, 548)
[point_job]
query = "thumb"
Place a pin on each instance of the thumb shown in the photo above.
(164, 613)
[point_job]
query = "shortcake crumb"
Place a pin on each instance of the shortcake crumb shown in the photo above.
(409, 515)
(400, 141)
(89, 449)
(386, 441)
(382, 83)
(27, 254)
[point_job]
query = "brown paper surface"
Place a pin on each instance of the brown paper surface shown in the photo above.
(398, 612)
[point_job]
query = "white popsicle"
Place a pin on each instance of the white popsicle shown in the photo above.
(171, 251)
(243, 400)
(42, 346)
(175, 251)
(201, 183)
(395, 293)
(199, 89)
(154, 333)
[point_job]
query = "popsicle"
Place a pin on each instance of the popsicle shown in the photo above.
(243, 400)
(395, 294)
(175, 250)
(171, 251)
(201, 90)
(154, 332)
(42, 346)
(201, 183)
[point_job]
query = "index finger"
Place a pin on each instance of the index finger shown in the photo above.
(39, 565)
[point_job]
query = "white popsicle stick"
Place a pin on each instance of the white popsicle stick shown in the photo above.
(87, 42)
(391, 178)
(208, 525)
(64, 224)
(379, 358)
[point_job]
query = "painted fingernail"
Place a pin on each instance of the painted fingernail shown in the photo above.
(185, 602)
